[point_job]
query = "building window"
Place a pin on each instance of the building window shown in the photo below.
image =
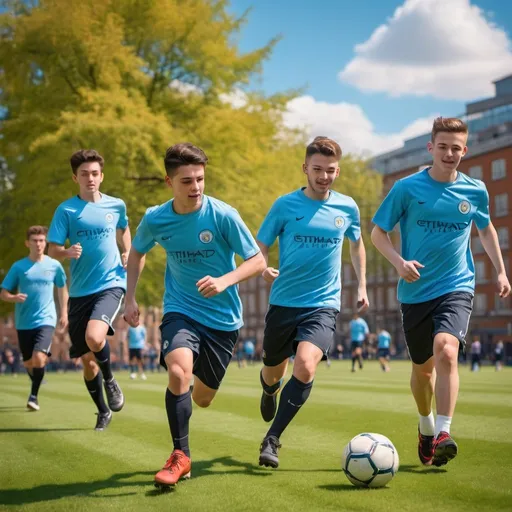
(476, 172)
(392, 274)
(502, 304)
(499, 169)
(380, 298)
(476, 245)
(263, 297)
(380, 274)
(480, 302)
(503, 237)
(480, 272)
(501, 205)
(392, 302)
(371, 297)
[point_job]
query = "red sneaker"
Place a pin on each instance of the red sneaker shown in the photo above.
(445, 449)
(425, 448)
(177, 467)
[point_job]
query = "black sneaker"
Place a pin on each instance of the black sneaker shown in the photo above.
(115, 397)
(104, 418)
(32, 403)
(268, 452)
(425, 448)
(445, 449)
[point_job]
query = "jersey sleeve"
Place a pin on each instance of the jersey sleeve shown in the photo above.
(60, 276)
(59, 228)
(353, 231)
(392, 208)
(482, 217)
(272, 225)
(238, 236)
(122, 223)
(11, 280)
(143, 241)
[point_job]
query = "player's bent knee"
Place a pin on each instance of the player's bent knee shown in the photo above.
(39, 360)
(202, 401)
(304, 369)
(448, 355)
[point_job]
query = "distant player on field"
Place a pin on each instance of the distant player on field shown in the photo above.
(136, 344)
(383, 343)
(498, 355)
(310, 224)
(202, 308)
(436, 208)
(29, 284)
(358, 334)
(96, 226)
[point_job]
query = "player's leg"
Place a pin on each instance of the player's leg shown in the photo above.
(140, 365)
(42, 342)
(93, 383)
(105, 307)
(26, 343)
(133, 364)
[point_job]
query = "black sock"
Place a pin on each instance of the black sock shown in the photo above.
(143, 367)
(360, 361)
(293, 396)
(179, 410)
(37, 378)
(133, 368)
(354, 362)
(30, 374)
(95, 389)
(103, 360)
(270, 390)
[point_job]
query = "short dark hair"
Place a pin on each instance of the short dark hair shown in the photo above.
(85, 155)
(36, 230)
(449, 125)
(183, 153)
(324, 146)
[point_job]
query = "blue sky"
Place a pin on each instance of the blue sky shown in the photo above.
(430, 57)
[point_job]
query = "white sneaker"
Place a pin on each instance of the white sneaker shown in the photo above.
(143, 377)
(133, 376)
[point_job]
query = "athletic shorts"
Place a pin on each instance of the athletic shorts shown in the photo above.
(135, 353)
(285, 327)
(356, 344)
(35, 340)
(449, 313)
(383, 352)
(498, 357)
(212, 348)
(104, 305)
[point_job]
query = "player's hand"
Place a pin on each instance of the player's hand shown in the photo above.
(124, 259)
(503, 285)
(20, 298)
(131, 313)
(270, 274)
(408, 270)
(210, 286)
(63, 322)
(362, 301)
(74, 252)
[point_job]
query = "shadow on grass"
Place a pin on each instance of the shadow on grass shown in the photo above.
(420, 470)
(347, 487)
(32, 430)
(17, 408)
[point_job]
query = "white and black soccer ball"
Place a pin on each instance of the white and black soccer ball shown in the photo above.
(370, 460)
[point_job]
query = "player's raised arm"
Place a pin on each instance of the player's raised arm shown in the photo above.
(123, 235)
(134, 267)
(269, 273)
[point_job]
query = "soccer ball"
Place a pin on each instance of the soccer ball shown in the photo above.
(370, 460)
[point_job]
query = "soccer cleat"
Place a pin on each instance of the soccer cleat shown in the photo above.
(269, 452)
(425, 448)
(176, 468)
(143, 377)
(32, 403)
(104, 418)
(115, 397)
(133, 376)
(445, 449)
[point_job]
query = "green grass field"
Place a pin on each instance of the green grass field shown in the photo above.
(53, 460)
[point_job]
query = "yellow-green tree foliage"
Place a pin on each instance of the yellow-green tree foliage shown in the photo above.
(129, 78)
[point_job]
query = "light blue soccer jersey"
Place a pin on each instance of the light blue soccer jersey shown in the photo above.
(358, 329)
(310, 237)
(249, 347)
(198, 244)
(36, 279)
(435, 226)
(94, 226)
(383, 339)
(136, 337)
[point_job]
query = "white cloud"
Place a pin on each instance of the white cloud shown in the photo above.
(443, 48)
(348, 125)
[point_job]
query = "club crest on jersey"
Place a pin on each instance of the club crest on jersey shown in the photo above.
(464, 207)
(109, 217)
(339, 222)
(206, 236)
(48, 273)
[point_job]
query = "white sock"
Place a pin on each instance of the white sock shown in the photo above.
(427, 425)
(443, 424)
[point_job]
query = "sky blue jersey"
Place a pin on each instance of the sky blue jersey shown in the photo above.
(358, 329)
(383, 339)
(136, 336)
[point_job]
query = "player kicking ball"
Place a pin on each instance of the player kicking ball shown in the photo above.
(202, 308)
(30, 284)
(436, 208)
(310, 224)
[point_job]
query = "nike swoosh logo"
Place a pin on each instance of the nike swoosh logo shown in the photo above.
(299, 218)
(421, 202)
(167, 237)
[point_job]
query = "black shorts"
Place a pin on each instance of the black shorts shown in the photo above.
(498, 357)
(104, 305)
(285, 327)
(475, 358)
(383, 352)
(212, 348)
(35, 340)
(449, 313)
(135, 353)
(356, 344)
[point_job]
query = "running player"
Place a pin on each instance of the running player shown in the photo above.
(383, 343)
(358, 333)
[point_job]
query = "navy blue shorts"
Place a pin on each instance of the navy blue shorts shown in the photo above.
(355, 344)
(383, 352)
(212, 348)
(135, 353)
(35, 340)
(285, 327)
(104, 305)
(449, 313)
